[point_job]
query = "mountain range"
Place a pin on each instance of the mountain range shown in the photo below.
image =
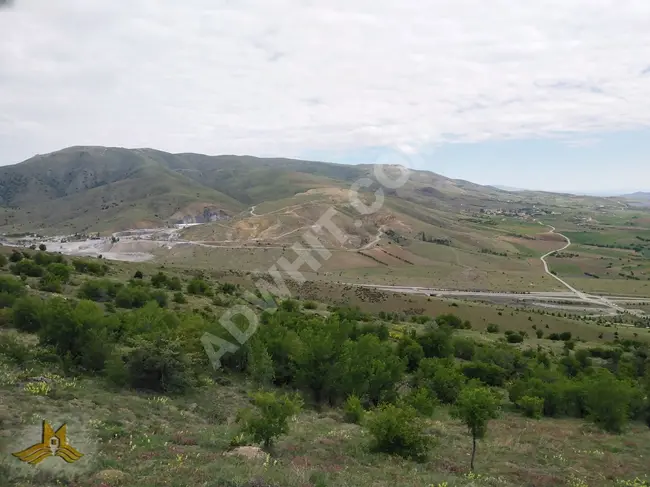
(106, 189)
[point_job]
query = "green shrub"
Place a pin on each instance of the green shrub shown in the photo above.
(138, 275)
(539, 333)
(160, 366)
(488, 374)
(533, 407)
(353, 410)
(27, 267)
(159, 280)
(16, 256)
(160, 297)
(422, 400)
(90, 267)
(607, 400)
(514, 338)
(12, 286)
(76, 331)
(100, 290)
(61, 271)
(50, 283)
(199, 287)
(132, 297)
(14, 349)
(3, 260)
(27, 313)
(174, 284)
(179, 298)
(269, 419)
(310, 305)
(410, 350)
(399, 431)
(492, 328)
(442, 377)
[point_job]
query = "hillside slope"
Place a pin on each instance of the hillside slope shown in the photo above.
(84, 189)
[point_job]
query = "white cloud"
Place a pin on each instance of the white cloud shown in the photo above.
(283, 76)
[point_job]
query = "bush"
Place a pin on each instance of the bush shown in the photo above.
(565, 336)
(607, 400)
(132, 297)
(310, 305)
(179, 298)
(174, 284)
(422, 400)
(27, 267)
(353, 410)
(26, 314)
(442, 377)
(399, 431)
(488, 374)
(411, 351)
(539, 333)
(11, 285)
(14, 349)
(160, 297)
(61, 271)
(492, 328)
(159, 280)
(16, 256)
(270, 417)
(3, 260)
(90, 267)
(42, 248)
(50, 283)
(199, 287)
(138, 275)
(78, 332)
(100, 290)
(514, 338)
(532, 407)
(160, 367)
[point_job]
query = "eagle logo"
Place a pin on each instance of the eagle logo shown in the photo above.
(54, 443)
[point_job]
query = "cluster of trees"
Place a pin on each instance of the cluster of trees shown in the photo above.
(347, 359)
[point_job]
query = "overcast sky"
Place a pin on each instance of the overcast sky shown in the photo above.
(481, 89)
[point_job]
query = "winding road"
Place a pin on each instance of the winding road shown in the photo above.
(583, 296)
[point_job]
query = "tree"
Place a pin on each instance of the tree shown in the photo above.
(42, 248)
(442, 377)
(270, 417)
(411, 351)
(370, 368)
(138, 275)
(475, 407)
(607, 400)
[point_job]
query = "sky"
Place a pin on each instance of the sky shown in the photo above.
(551, 94)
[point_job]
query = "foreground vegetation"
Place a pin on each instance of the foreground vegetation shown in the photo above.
(333, 396)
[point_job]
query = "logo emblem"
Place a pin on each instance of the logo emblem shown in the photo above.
(54, 443)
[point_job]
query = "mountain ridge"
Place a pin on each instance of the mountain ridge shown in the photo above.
(96, 188)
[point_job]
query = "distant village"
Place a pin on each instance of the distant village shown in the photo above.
(517, 212)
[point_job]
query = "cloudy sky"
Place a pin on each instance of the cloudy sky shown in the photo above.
(550, 94)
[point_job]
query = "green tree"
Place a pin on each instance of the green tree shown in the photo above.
(42, 247)
(3, 260)
(411, 351)
(370, 368)
(475, 407)
(442, 377)
(607, 400)
(399, 431)
(260, 363)
(269, 419)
